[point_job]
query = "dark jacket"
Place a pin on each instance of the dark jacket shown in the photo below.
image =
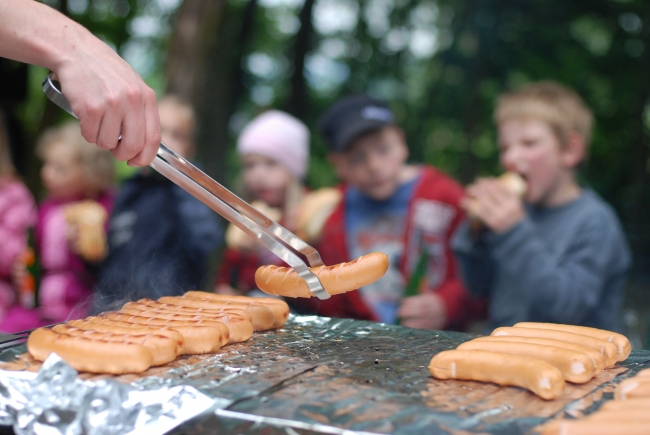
(159, 240)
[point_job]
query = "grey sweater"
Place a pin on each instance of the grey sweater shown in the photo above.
(562, 265)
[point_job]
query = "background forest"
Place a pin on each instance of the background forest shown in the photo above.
(440, 63)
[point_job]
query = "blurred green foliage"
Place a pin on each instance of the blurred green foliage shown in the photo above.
(440, 63)
(443, 63)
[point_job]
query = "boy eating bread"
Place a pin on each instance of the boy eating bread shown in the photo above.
(558, 254)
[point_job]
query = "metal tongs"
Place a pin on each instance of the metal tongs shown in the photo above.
(269, 233)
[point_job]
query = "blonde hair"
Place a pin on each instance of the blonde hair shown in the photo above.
(561, 107)
(97, 164)
(7, 168)
(179, 103)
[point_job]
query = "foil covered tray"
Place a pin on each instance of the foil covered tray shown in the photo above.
(334, 376)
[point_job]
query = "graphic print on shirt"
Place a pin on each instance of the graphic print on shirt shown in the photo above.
(378, 226)
(386, 235)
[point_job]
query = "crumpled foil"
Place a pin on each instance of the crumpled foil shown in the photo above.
(340, 376)
(56, 401)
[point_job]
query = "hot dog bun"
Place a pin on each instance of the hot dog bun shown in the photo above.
(89, 219)
(240, 329)
(512, 180)
(597, 358)
(575, 366)
(200, 336)
(341, 278)
(636, 387)
(279, 307)
(261, 316)
(191, 310)
(128, 328)
(621, 342)
(315, 208)
(163, 349)
(604, 347)
(239, 240)
(533, 374)
(90, 355)
(595, 427)
(621, 405)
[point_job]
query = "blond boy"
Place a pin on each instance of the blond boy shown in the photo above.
(559, 254)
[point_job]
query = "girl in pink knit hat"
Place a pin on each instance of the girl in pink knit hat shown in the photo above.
(274, 152)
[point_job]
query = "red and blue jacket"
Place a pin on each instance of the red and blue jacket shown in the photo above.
(432, 217)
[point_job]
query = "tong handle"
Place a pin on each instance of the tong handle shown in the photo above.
(267, 225)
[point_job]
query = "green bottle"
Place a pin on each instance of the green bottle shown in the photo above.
(415, 281)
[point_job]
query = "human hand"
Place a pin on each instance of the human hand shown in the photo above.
(494, 204)
(225, 289)
(103, 90)
(425, 311)
(110, 99)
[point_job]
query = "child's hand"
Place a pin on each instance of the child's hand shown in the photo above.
(493, 203)
(225, 289)
(425, 311)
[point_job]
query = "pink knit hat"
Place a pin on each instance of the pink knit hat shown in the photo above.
(278, 136)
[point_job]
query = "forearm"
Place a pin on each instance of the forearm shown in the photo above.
(34, 33)
(104, 92)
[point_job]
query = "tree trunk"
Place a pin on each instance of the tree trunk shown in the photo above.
(298, 103)
(204, 66)
(186, 43)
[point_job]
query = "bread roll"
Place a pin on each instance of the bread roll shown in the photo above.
(512, 180)
(315, 209)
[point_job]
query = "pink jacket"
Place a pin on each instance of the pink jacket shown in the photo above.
(17, 214)
(66, 286)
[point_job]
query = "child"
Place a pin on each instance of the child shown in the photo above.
(559, 255)
(406, 211)
(17, 214)
(160, 236)
(274, 149)
(73, 172)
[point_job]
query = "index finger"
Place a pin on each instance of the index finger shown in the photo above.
(152, 132)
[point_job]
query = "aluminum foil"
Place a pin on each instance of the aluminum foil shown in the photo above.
(372, 378)
(56, 401)
(339, 376)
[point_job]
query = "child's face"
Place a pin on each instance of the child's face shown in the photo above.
(265, 179)
(176, 130)
(374, 162)
(531, 148)
(62, 174)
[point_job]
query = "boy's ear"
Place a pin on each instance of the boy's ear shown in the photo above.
(574, 151)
